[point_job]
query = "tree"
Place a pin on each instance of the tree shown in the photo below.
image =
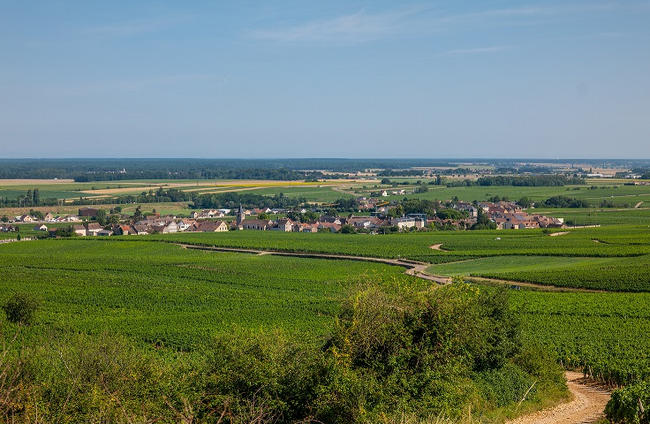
(137, 215)
(101, 217)
(483, 222)
(21, 308)
(37, 214)
(524, 202)
(4, 218)
(395, 212)
(36, 197)
(347, 229)
(332, 212)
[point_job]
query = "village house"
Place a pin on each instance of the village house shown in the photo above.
(367, 222)
(212, 226)
(334, 228)
(210, 213)
(80, 230)
(256, 224)
(282, 225)
(123, 230)
(305, 227)
(6, 228)
(87, 212)
(142, 229)
(186, 224)
(92, 228)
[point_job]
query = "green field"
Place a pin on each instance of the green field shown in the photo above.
(617, 193)
(311, 193)
(603, 333)
(157, 292)
(509, 264)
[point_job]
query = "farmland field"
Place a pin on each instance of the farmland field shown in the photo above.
(156, 292)
(601, 332)
(159, 293)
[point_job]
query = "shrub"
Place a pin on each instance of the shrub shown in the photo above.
(629, 405)
(21, 308)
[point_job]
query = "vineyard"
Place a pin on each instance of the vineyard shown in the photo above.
(605, 258)
(161, 293)
(602, 334)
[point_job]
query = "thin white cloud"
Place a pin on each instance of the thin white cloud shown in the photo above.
(357, 27)
(365, 26)
(477, 50)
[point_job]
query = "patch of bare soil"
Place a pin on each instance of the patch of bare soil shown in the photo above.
(561, 233)
(436, 246)
(34, 182)
(586, 407)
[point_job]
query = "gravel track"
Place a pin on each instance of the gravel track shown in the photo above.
(586, 407)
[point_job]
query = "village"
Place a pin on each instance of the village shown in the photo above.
(379, 217)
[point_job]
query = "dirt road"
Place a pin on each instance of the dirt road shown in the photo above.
(586, 407)
(412, 267)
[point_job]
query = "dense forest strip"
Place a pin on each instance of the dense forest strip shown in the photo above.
(586, 407)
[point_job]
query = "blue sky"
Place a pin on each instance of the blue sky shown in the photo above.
(553, 79)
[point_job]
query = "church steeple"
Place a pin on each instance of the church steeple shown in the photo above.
(240, 214)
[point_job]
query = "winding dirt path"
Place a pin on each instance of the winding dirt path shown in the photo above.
(638, 205)
(586, 407)
(436, 246)
(414, 268)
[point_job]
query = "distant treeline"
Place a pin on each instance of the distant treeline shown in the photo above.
(85, 170)
(223, 174)
(521, 181)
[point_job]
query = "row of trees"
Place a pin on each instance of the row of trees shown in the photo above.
(521, 181)
(31, 198)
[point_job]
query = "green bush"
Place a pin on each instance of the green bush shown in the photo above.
(425, 353)
(629, 405)
(21, 308)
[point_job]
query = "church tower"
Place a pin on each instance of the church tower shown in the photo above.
(240, 215)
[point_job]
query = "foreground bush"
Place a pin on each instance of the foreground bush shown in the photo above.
(441, 352)
(395, 356)
(21, 308)
(629, 404)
